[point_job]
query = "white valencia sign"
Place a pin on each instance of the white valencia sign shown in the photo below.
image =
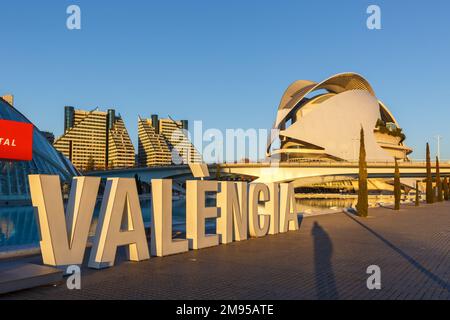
(242, 210)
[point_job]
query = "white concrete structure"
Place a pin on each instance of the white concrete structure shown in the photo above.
(322, 121)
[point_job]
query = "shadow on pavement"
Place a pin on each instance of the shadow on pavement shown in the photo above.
(324, 275)
(445, 285)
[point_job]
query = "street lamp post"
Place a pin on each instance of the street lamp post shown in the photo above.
(438, 138)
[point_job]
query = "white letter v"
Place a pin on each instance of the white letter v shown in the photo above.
(58, 247)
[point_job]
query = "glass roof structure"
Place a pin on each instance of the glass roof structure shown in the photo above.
(46, 160)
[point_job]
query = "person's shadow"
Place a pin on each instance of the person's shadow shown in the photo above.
(324, 275)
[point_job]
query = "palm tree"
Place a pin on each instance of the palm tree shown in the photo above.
(397, 190)
(363, 195)
(429, 187)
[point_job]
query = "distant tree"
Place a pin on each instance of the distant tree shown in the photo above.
(362, 206)
(90, 165)
(438, 182)
(417, 194)
(429, 181)
(397, 187)
(445, 188)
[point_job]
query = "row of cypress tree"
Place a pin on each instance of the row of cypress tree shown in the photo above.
(439, 193)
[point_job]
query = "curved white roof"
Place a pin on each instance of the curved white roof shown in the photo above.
(333, 121)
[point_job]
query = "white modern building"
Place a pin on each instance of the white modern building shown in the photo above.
(322, 122)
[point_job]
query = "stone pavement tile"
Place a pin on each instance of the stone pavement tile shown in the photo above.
(326, 259)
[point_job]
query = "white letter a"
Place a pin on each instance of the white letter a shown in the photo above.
(120, 223)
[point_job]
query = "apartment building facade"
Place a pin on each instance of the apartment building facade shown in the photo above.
(164, 142)
(95, 140)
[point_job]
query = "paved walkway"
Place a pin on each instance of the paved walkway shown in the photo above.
(326, 259)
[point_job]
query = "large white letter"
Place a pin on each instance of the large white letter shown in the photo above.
(120, 204)
(57, 247)
(288, 209)
(233, 221)
(197, 212)
(162, 242)
(272, 208)
(258, 222)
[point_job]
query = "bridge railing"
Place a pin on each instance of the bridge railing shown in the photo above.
(315, 163)
(306, 162)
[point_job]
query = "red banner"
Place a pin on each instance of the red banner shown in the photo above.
(16, 140)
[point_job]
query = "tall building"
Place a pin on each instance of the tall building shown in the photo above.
(164, 142)
(95, 140)
(153, 149)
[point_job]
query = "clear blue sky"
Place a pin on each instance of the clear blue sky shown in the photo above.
(224, 62)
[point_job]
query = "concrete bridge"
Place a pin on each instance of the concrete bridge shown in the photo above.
(302, 173)
(146, 173)
(318, 173)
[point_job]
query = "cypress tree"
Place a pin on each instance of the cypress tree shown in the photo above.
(397, 190)
(363, 195)
(445, 188)
(438, 181)
(417, 194)
(429, 181)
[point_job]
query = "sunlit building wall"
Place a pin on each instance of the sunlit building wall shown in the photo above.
(183, 151)
(164, 142)
(121, 150)
(95, 140)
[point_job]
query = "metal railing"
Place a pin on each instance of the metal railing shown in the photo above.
(315, 163)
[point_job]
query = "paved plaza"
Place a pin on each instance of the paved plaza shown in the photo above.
(326, 259)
